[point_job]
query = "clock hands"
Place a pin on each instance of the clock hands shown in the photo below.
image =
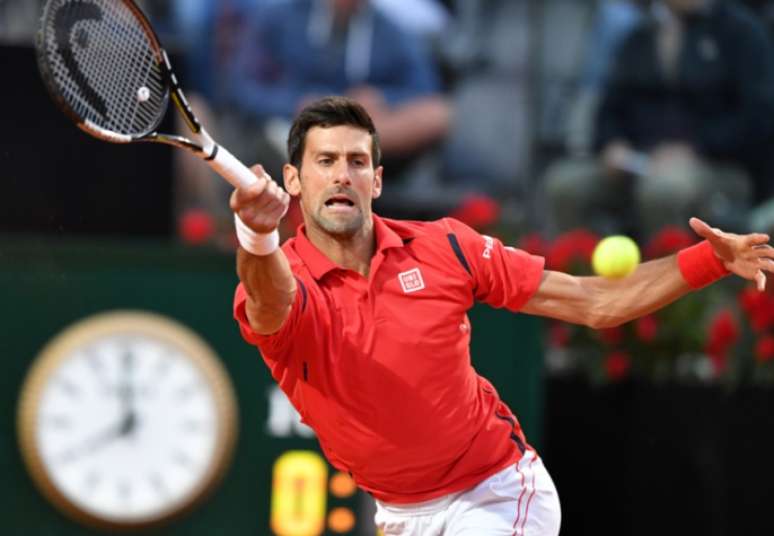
(126, 393)
(123, 428)
(95, 442)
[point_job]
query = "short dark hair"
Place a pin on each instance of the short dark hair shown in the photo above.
(330, 112)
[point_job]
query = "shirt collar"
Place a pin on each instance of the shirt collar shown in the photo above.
(319, 264)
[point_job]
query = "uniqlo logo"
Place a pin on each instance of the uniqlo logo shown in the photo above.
(411, 281)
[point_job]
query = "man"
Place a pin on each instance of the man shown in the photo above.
(684, 124)
(362, 321)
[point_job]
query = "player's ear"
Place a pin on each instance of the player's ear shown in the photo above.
(377, 189)
(292, 179)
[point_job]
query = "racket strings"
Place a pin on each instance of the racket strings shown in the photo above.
(104, 64)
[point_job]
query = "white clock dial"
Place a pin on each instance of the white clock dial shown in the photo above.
(125, 421)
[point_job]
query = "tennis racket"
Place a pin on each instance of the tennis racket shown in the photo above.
(104, 66)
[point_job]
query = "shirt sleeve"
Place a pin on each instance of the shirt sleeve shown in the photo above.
(275, 346)
(503, 276)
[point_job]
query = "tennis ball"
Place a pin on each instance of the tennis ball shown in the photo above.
(615, 256)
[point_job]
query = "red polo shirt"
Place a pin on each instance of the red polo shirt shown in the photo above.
(380, 367)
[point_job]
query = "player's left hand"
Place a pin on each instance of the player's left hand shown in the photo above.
(748, 256)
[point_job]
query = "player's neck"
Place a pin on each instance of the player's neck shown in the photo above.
(350, 252)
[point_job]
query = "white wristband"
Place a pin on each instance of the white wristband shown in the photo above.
(255, 243)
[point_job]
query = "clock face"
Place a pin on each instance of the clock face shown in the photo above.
(126, 419)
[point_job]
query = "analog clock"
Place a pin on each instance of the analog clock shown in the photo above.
(126, 419)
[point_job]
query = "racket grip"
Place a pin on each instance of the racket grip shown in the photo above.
(230, 168)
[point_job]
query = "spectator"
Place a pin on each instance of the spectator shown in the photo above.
(302, 49)
(764, 9)
(685, 119)
(209, 33)
(612, 22)
(487, 52)
(426, 18)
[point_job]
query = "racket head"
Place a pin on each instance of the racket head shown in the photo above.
(104, 67)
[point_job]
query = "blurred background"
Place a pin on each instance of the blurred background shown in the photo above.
(547, 123)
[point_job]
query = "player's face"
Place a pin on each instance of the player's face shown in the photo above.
(337, 180)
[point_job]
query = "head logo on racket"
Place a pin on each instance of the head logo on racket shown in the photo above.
(65, 33)
(105, 68)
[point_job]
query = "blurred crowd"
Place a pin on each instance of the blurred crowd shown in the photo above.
(549, 115)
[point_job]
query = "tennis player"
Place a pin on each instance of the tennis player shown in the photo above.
(362, 322)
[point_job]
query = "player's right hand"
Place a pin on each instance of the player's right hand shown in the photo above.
(261, 205)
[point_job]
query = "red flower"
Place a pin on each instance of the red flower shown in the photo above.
(558, 334)
(196, 226)
(723, 332)
(478, 211)
(573, 246)
(617, 365)
(759, 307)
(750, 299)
(646, 328)
(669, 240)
(719, 361)
(764, 349)
(611, 336)
(535, 244)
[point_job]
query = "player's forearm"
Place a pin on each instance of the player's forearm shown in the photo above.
(270, 288)
(650, 287)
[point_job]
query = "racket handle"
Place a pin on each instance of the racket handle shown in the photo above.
(230, 168)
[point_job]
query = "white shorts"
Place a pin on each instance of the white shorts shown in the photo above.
(520, 500)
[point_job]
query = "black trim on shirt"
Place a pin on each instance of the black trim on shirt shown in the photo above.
(455, 245)
(303, 294)
(514, 437)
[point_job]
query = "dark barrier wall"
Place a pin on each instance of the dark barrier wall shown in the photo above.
(55, 178)
(640, 459)
(46, 286)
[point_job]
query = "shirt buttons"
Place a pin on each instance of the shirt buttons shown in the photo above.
(464, 328)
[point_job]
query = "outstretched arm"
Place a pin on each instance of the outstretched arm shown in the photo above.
(267, 279)
(599, 302)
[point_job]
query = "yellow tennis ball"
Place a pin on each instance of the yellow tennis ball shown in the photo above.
(615, 256)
